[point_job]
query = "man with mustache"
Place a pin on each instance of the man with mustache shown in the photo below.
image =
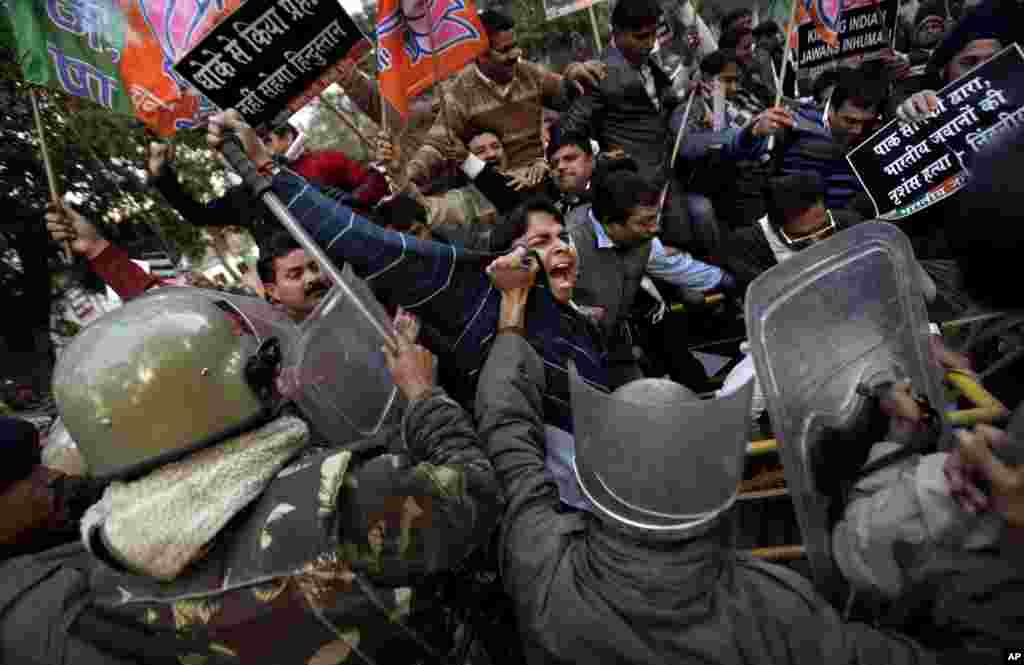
(447, 288)
(290, 278)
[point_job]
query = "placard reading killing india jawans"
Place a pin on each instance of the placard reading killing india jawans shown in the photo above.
(863, 31)
(267, 53)
(906, 167)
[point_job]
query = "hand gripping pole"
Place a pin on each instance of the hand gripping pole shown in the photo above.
(260, 186)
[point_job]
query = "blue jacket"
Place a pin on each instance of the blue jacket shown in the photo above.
(809, 148)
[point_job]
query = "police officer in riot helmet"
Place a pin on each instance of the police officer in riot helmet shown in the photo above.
(649, 577)
(222, 536)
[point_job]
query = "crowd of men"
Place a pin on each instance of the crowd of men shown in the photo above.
(544, 484)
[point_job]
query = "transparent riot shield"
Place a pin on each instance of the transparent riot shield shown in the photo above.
(845, 311)
(336, 372)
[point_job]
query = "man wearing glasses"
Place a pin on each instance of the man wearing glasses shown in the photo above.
(797, 218)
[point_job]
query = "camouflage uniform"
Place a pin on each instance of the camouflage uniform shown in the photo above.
(331, 564)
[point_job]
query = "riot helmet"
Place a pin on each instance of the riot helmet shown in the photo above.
(166, 374)
(652, 456)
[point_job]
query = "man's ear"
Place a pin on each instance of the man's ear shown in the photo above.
(270, 289)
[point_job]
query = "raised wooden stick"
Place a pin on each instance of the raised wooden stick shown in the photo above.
(51, 176)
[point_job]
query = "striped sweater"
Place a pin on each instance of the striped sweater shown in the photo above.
(447, 288)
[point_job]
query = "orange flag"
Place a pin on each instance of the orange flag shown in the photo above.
(422, 41)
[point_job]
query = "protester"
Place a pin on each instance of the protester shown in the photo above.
(738, 19)
(447, 287)
(797, 218)
(820, 139)
(769, 48)
(111, 263)
(821, 89)
(574, 161)
(504, 94)
(467, 214)
(290, 278)
(629, 110)
(757, 83)
(616, 238)
(325, 546)
(649, 578)
(722, 163)
(979, 36)
(336, 175)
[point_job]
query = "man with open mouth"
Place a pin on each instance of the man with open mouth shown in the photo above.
(448, 289)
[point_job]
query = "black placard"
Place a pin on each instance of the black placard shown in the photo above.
(862, 31)
(907, 167)
(267, 53)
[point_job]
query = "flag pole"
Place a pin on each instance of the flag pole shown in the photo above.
(51, 176)
(597, 31)
(675, 152)
(437, 77)
(785, 63)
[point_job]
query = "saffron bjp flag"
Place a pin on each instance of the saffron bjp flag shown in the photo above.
(119, 53)
(422, 41)
(826, 15)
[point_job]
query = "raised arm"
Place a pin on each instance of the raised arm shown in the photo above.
(509, 411)
(437, 282)
(437, 142)
(450, 468)
(110, 262)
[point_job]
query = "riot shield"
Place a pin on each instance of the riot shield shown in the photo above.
(336, 372)
(845, 311)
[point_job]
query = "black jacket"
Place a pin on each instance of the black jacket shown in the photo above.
(620, 113)
(330, 550)
(586, 593)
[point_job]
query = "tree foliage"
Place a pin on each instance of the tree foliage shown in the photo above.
(99, 160)
(539, 36)
(327, 131)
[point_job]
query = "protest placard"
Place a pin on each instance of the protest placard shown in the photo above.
(906, 167)
(864, 29)
(556, 8)
(268, 56)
